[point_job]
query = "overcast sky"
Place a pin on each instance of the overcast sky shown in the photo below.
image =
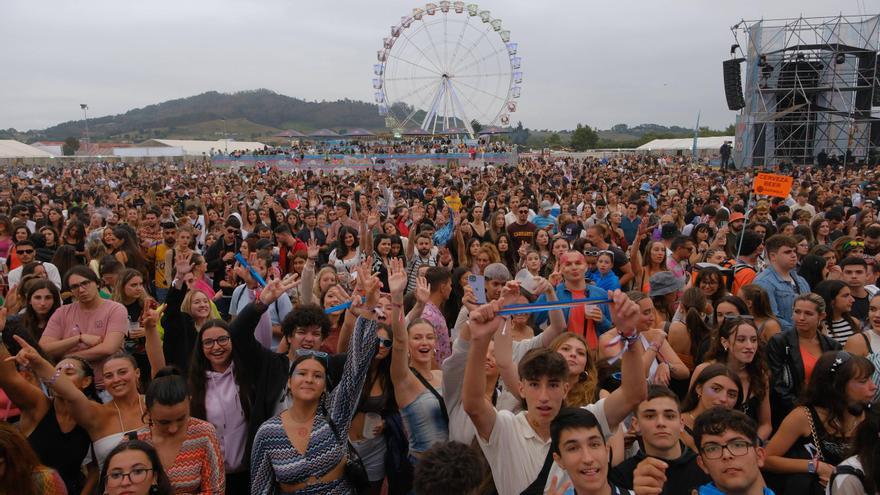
(599, 63)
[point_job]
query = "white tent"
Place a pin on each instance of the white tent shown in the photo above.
(14, 149)
(197, 148)
(703, 143)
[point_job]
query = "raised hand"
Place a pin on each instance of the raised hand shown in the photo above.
(27, 356)
(276, 288)
(423, 290)
(372, 219)
(624, 312)
(484, 321)
(523, 249)
(396, 277)
(510, 291)
(312, 248)
(183, 264)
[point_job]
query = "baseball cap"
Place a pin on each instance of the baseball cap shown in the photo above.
(546, 205)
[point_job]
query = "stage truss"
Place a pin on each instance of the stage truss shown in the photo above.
(811, 85)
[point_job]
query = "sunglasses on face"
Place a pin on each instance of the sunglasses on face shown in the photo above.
(386, 343)
(24, 251)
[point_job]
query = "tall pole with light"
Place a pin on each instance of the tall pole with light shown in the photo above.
(85, 109)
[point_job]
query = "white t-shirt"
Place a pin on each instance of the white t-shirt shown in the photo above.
(516, 453)
(847, 484)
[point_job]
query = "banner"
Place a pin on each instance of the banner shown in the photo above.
(773, 185)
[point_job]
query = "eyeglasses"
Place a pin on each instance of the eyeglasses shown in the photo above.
(386, 343)
(737, 448)
(230, 231)
(221, 341)
(137, 475)
(24, 251)
(319, 355)
(81, 285)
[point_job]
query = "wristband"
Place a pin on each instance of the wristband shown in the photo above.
(51, 381)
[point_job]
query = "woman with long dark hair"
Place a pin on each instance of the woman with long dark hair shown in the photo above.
(758, 301)
(304, 448)
(126, 249)
(222, 393)
(830, 412)
(188, 448)
(49, 423)
(839, 324)
(738, 345)
(690, 336)
(133, 468)
(75, 236)
(711, 282)
(41, 300)
(715, 386)
(349, 253)
(376, 403)
(130, 292)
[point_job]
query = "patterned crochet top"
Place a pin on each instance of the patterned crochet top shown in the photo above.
(198, 467)
(274, 458)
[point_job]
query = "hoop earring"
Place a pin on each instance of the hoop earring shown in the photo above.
(154, 489)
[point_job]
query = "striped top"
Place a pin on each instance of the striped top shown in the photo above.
(274, 458)
(841, 331)
(47, 481)
(198, 467)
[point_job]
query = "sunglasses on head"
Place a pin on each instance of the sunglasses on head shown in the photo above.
(319, 355)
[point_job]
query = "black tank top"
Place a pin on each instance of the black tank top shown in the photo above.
(61, 451)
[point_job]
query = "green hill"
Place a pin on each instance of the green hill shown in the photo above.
(247, 114)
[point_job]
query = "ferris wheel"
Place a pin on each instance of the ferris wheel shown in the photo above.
(445, 66)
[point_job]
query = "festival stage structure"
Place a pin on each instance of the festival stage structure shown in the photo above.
(811, 90)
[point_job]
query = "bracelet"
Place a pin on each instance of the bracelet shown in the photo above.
(51, 381)
(654, 347)
(629, 339)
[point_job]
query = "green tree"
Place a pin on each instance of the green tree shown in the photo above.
(476, 126)
(584, 138)
(553, 141)
(520, 135)
(71, 144)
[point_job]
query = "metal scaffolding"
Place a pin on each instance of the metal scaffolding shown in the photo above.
(811, 90)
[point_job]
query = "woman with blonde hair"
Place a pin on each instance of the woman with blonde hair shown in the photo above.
(583, 377)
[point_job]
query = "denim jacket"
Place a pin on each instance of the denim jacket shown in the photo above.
(781, 293)
(563, 294)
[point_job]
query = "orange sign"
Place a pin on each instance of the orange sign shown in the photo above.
(773, 185)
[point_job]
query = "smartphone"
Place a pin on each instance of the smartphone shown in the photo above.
(478, 285)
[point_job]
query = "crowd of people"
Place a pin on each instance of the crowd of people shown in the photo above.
(374, 146)
(181, 328)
